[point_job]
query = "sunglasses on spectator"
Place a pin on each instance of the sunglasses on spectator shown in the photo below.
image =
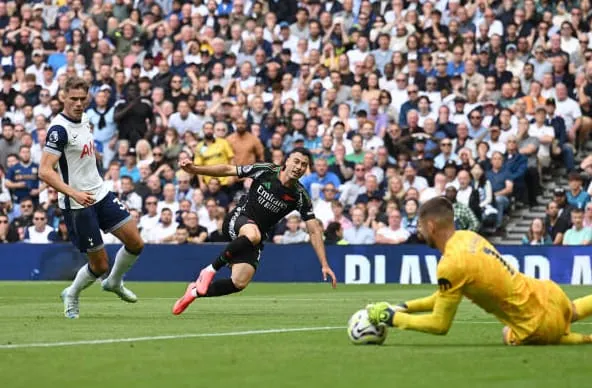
(157, 154)
(446, 144)
(26, 206)
(476, 117)
(39, 218)
(150, 203)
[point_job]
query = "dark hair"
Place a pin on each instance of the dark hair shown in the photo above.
(438, 208)
(74, 83)
(577, 210)
(303, 151)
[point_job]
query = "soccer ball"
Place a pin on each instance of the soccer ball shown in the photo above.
(361, 332)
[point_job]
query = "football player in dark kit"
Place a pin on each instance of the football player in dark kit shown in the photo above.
(274, 193)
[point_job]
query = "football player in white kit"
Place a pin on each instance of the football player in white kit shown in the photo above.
(86, 202)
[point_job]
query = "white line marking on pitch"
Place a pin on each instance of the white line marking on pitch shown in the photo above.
(167, 337)
(204, 335)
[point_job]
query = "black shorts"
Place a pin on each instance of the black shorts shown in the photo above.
(231, 228)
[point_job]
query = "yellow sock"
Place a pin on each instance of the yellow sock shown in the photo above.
(575, 339)
(583, 307)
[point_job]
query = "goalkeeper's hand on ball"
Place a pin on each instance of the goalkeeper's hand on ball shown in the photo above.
(383, 313)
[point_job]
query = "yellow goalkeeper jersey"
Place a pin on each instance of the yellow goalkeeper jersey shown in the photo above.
(472, 267)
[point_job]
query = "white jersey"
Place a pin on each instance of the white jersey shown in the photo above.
(74, 143)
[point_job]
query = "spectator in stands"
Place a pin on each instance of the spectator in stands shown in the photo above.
(537, 234)
(151, 218)
(128, 196)
(212, 151)
(321, 176)
(409, 222)
(578, 234)
(392, 234)
(101, 116)
(133, 115)
(247, 148)
(181, 235)
(464, 218)
(22, 178)
(40, 232)
(501, 185)
(358, 233)
(560, 198)
(196, 233)
(334, 234)
(294, 234)
(588, 215)
(9, 144)
(555, 226)
(4, 229)
(561, 147)
(338, 215)
(164, 231)
(576, 196)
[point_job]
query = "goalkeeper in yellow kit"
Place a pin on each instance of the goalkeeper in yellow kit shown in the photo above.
(535, 312)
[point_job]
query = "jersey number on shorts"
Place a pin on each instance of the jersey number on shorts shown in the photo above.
(500, 259)
(118, 203)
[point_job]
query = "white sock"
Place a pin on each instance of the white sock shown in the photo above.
(123, 262)
(210, 268)
(84, 278)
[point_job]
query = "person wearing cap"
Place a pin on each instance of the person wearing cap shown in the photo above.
(513, 64)
(37, 66)
(494, 141)
(540, 63)
(564, 150)
(577, 197)
(411, 179)
(544, 133)
(464, 218)
(564, 208)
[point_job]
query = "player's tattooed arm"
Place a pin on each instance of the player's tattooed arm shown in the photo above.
(219, 170)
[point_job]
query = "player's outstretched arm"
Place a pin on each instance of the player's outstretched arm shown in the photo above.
(219, 170)
(421, 305)
(316, 239)
(438, 322)
(51, 177)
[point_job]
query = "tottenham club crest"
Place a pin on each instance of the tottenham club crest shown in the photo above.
(53, 137)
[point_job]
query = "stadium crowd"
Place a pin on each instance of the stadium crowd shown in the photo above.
(399, 101)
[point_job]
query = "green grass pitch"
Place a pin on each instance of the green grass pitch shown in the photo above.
(186, 354)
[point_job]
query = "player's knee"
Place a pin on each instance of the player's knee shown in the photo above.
(135, 247)
(241, 284)
(251, 231)
(99, 267)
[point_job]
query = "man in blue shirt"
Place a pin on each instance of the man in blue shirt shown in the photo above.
(313, 183)
(576, 196)
(22, 178)
(501, 185)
